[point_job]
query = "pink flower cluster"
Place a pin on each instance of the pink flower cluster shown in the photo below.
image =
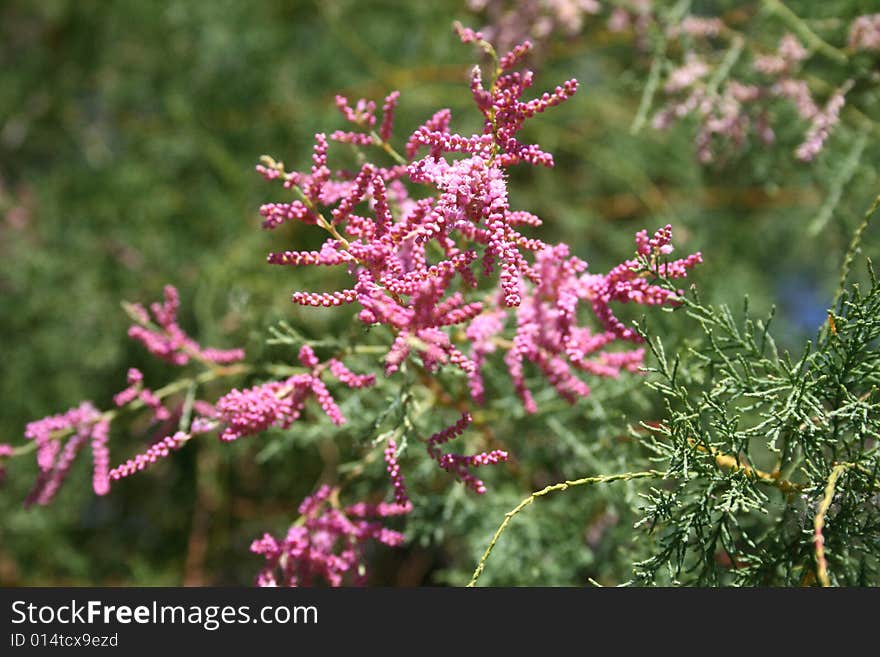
(437, 257)
(697, 27)
(821, 124)
(738, 108)
(136, 390)
(280, 403)
(548, 334)
(387, 247)
(513, 22)
(59, 438)
(729, 112)
(459, 464)
(396, 476)
(158, 450)
(327, 544)
(864, 33)
(412, 260)
(627, 282)
(166, 340)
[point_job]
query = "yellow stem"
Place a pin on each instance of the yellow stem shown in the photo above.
(388, 148)
(564, 485)
(733, 463)
(819, 522)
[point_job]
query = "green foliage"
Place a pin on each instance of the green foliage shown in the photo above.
(749, 440)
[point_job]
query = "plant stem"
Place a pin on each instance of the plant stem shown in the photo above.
(564, 485)
(732, 463)
(161, 393)
(388, 148)
(853, 247)
(819, 522)
(658, 59)
(797, 24)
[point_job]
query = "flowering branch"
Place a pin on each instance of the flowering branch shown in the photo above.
(451, 274)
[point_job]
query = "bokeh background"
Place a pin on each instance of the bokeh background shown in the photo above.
(128, 136)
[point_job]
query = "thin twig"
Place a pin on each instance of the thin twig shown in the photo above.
(161, 393)
(853, 247)
(564, 485)
(387, 147)
(732, 463)
(658, 59)
(847, 170)
(797, 24)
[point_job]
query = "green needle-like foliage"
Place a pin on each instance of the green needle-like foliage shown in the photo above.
(749, 441)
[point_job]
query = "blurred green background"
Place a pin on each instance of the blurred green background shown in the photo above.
(128, 136)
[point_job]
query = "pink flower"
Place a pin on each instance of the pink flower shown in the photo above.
(251, 411)
(280, 403)
(548, 333)
(135, 378)
(393, 467)
(412, 263)
(864, 32)
(627, 283)
(136, 390)
(101, 457)
(458, 464)
(822, 123)
(157, 451)
(59, 439)
(167, 340)
(327, 545)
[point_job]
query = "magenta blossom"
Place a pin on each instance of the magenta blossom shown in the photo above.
(166, 340)
(327, 545)
(280, 403)
(59, 438)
